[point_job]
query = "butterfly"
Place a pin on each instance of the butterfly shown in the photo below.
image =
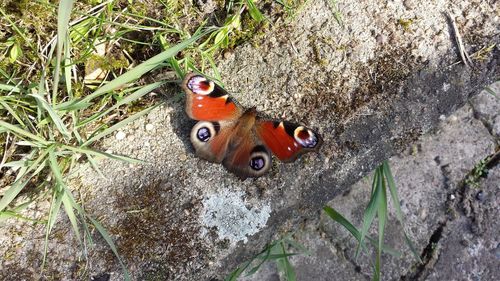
(239, 138)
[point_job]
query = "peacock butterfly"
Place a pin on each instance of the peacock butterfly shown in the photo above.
(240, 139)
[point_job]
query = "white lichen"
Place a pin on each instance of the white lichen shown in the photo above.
(232, 217)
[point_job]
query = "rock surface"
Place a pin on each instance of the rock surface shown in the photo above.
(370, 87)
(440, 210)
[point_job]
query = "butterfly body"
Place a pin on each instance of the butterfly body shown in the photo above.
(240, 139)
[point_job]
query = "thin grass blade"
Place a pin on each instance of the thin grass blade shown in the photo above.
(368, 215)
(111, 244)
(395, 201)
(67, 202)
(174, 64)
(9, 88)
(254, 11)
(266, 254)
(67, 67)
(12, 192)
(382, 218)
(55, 206)
(12, 113)
(85, 150)
(68, 208)
(22, 133)
(487, 89)
(63, 17)
(19, 184)
(94, 166)
(53, 115)
(5, 215)
(284, 264)
(233, 276)
(336, 216)
(128, 99)
(120, 124)
(297, 246)
(145, 67)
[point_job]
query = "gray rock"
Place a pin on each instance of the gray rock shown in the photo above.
(487, 107)
(426, 174)
(368, 100)
(469, 248)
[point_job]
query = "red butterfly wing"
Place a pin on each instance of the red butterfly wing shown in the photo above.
(211, 139)
(287, 140)
(207, 101)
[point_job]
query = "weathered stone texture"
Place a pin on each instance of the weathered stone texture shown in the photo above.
(370, 86)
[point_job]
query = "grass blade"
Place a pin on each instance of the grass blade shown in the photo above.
(18, 185)
(9, 88)
(94, 166)
(128, 99)
(53, 115)
(55, 206)
(382, 217)
(368, 215)
(12, 192)
(63, 17)
(12, 112)
(145, 67)
(85, 150)
(233, 276)
(67, 68)
(5, 215)
(395, 201)
(336, 216)
(120, 125)
(111, 244)
(263, 260)
(67, 203)
(487, 89)
(22, 133)
(254, 12)
(297, 246)
(284, 264)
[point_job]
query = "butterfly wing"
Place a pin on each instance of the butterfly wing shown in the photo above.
(207, 101)
(217, 112)
(211, 139)
(248, 157)
(242, 142)
(287, 140)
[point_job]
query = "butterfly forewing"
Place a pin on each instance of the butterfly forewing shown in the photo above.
(207, 101)
(287, 140)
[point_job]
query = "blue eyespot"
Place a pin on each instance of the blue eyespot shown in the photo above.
(203, 134)
(257, 163)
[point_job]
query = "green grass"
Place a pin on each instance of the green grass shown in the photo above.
(382, 184)
(336, 12)
(278, 252)
(51, 118)
(479, 171)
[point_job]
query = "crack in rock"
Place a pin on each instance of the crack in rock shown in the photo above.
(458, 205)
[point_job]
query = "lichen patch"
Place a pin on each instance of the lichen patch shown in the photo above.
(232, 217)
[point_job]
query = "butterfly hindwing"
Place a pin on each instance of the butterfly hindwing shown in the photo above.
(287, 140)
(207, 101)
(248, 158)
(211, 139)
